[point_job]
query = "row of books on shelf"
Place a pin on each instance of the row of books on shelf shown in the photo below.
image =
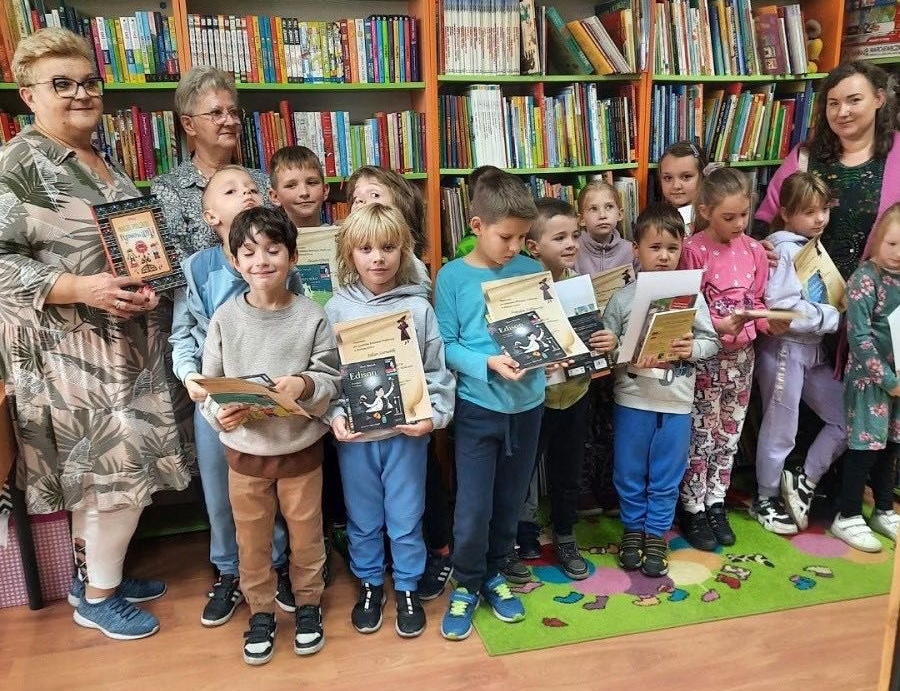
(871, 29)
(723, 37)
(283, 50)
(576, 127)
(732, 123)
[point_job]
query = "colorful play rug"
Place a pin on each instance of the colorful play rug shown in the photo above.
(761, 573)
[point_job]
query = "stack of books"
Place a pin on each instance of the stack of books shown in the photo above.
(871, 29)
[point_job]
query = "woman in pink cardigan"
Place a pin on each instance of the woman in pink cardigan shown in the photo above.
(855, 148)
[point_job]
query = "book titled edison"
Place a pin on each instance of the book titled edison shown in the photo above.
(137, 242)
(372, 395)
(527, 340)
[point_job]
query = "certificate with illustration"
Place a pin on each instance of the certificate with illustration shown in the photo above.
(317, 262)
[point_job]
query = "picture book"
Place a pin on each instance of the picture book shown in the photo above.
(579, 301)
(137, 242)
(667, 319)
(821, 280)
(372, 394)
(256, 391)
(894, 325)
(527, 340)
(384, 337)
(317, 262)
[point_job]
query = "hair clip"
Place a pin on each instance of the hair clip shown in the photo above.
(710, 167)
(694, 150)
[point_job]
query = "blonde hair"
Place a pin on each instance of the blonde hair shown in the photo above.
(204, 196)
(374, 224)
(714, 188)
(47, 43)
(800, 191)
(890, 217)
(597, 186)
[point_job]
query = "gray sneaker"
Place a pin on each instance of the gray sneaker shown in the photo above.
(117, 618)
(515, 571)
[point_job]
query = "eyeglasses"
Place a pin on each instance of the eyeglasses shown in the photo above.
(220, 116)
(68, 88)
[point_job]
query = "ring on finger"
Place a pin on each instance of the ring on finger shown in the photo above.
(117, 304)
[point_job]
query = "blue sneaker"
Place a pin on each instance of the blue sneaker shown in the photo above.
(117, 618)
(507, 607)
(132, 589)
(457, 622)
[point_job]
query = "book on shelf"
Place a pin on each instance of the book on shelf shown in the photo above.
(145, 144)
(562, 49)
(531, 62)
(818, 275)
(255, 391)
(137, 242)
(871, 29)
(372, 350)
(666, 320)
(527, 340)
(317, 262)
(479, 37)
(595, 42)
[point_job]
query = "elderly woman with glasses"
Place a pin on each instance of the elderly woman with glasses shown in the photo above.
(206, 105)
(82, 353)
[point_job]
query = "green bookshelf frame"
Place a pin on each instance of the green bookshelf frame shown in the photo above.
(323, 86)
(762, 163)
(887, 60)
(550, 171)
(534, 78)
(731, 78)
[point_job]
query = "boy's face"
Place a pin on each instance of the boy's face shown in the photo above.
(301, 193)
(557, 248)
(498, 242)
(264, 264)
(658, 250)
(600, 214)
(227, 194)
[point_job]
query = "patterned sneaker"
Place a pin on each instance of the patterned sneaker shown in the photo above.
(854, 531)
(885, 522)
(631, 550)
(309, 636)
(224, 598)
(457, 622)
(506, 606)
(514, 570)
(773, 516)
(570, 561)
(410, 614)
(259, 641)
(116, 618)
(284, 597)
(132, 589)
(438, 570)
(718, 523)
(798, 492)
(656, 557)
(366, 614)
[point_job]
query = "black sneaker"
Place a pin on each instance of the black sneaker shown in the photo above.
(696, 530)
(285, 595)
(224, 598)
(514, 570)
(570, 561)
(259, 641)
(718, 523)
(410, 614)
(656, 557)
(773, 515)
(631, 550)
(308, 635)
(529, 547)
(366, 614)
(438, 570)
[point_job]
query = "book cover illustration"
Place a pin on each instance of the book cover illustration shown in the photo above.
(383, 336)
(607, 283)
(137, 243)
(579, 301)
(372, 394)
(255, 391)
(527, 340)
(316, 279)
(667, 319)
(317, 262)
(821, 281)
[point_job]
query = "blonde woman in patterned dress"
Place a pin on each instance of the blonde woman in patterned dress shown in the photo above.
(83, 357)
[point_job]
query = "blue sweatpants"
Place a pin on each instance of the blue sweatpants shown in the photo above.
(384, 487)
(651, 455)
(495, 455)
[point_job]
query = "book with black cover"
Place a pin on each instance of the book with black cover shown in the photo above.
(372, 395)
(527, 340)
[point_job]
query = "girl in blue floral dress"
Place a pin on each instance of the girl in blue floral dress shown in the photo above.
(871, 390)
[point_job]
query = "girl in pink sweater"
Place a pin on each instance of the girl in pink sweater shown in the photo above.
(735, 270)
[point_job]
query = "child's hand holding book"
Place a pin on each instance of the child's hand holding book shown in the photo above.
(197, 393)
(341, 429)
(733, 324)
(233, 416)
(421, 428)
(603, 341)
(506, 367)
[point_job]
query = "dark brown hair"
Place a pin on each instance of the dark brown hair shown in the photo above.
(718, 184)
(684, 149)
(499, 196)
(547, 208)
(663, 217)
(270, 222)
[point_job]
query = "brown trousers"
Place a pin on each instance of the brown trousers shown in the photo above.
(254, 501)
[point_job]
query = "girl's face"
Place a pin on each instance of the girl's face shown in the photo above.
(377, 265)
(369, 190)
(887, 255)
(678, 178)
(851, 106)
(808, 222)
(729, 218)
(600, 214)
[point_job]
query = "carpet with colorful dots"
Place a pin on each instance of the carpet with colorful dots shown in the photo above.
(761, 573)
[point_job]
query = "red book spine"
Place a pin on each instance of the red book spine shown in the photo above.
(138, 173)
(285, 109)
(328, 143)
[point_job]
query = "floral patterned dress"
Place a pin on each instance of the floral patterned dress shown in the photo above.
(873, 416)
(100, 421)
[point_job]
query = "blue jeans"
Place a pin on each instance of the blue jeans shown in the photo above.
(495, 455)
(384, 486)
(651, 455)
(223, 549)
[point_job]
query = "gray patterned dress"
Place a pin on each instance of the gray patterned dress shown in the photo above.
(100, 421)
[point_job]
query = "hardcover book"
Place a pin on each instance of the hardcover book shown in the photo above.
(137, 243)
(372, 394)
(821, 280)
(317, 262)
(668, 319)
(527, 340)
(256, 391)
(579, 300)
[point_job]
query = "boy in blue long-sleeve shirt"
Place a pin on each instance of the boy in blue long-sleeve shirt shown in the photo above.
(498, 406)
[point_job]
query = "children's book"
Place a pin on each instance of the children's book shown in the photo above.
(387, 339)
(372, 394)
(256, 391)
(527, 340)
(667, 319)
(317, 262)
(821, 280)
(771, 315)
(894, 325)
(137, 242)
(607, 283)
(579, 300)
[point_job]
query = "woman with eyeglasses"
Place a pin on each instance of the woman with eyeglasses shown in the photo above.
(206, 103)
(82, 353)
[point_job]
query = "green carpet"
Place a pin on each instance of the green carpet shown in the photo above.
(761, 573)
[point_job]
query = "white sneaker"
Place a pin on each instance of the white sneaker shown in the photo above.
(772, 516)
(856, 533)
(885, 522)
(798, 492)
